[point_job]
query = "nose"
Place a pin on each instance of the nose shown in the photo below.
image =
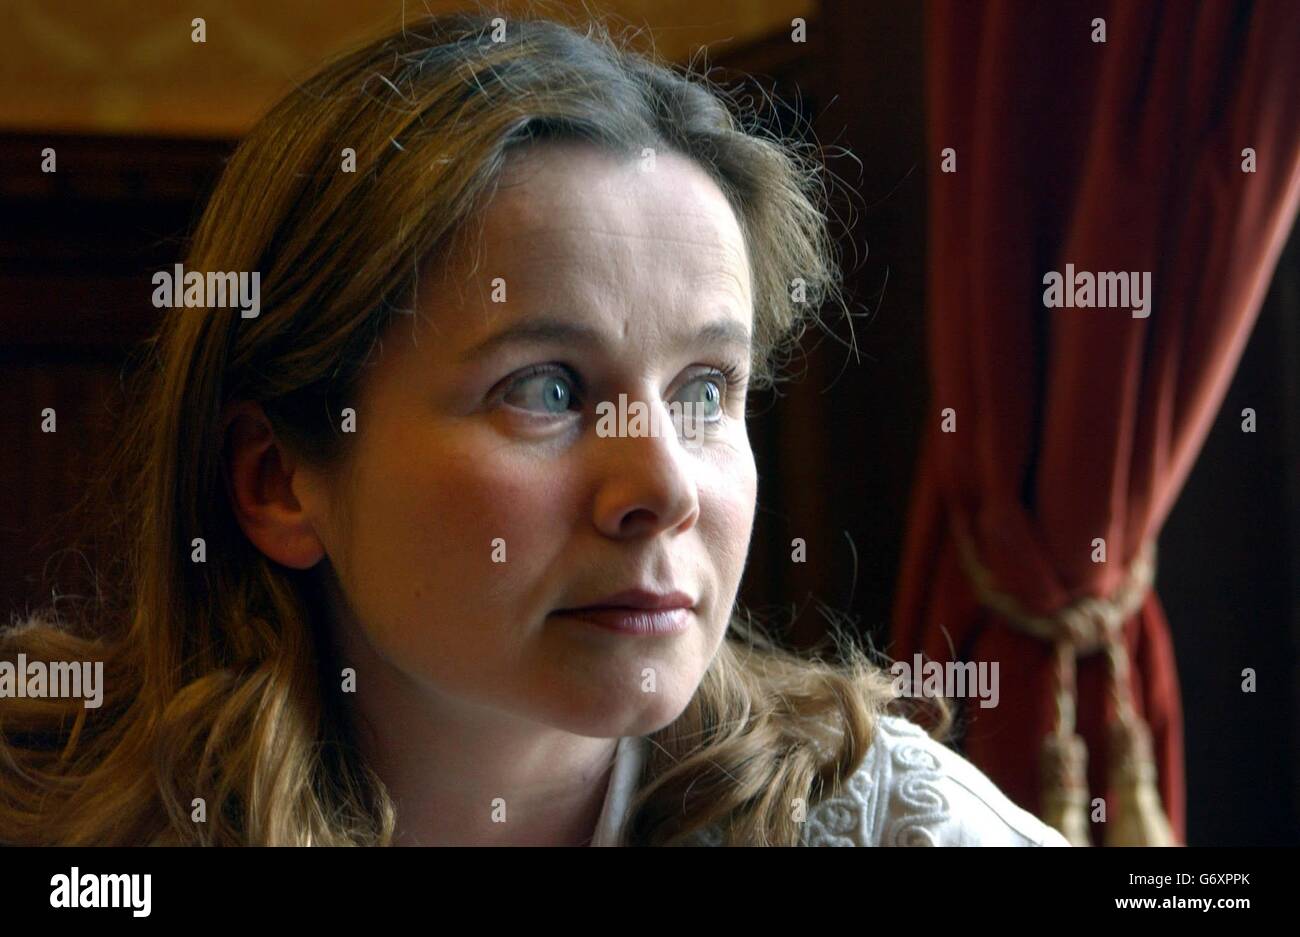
(647, 484)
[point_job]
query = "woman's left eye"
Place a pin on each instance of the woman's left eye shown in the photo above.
(550, 392)
(706, 393)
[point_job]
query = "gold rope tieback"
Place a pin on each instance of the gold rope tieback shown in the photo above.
(1086, 625)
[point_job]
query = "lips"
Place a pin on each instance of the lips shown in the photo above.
(637, 611)
(644, 599)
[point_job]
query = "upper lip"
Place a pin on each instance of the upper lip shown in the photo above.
(639, 599)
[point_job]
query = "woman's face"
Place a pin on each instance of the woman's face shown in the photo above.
(483, 496)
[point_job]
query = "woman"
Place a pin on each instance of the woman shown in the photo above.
(387, 579)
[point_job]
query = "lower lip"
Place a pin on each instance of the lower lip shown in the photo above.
(638, 621)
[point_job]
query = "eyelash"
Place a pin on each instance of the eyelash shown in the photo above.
(731, 374)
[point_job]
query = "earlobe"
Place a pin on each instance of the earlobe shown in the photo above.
(259, 475)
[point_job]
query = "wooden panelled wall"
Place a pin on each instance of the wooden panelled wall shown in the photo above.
(77, 250)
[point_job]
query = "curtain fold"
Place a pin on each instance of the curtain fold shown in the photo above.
(1074, 425)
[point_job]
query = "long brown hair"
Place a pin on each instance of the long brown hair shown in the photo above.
(214, 670)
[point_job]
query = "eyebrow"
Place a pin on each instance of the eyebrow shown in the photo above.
(550, 331)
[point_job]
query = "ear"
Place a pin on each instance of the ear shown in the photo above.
(259, 475)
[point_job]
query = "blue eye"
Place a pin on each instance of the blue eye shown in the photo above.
(547, 392)
(707, 401)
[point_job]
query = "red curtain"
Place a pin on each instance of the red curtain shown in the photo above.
(1079, 423)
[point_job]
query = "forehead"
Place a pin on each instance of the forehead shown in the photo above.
(573, 224)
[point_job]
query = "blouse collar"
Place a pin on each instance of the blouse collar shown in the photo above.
(628, 761)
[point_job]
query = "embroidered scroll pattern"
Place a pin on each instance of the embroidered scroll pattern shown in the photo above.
(894, 799)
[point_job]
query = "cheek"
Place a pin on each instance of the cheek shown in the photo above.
(727, 505)
(452, 535)
(728, 533)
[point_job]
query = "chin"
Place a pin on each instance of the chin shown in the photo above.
(639, 714)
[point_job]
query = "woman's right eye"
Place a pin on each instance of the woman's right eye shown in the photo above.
(548, 392)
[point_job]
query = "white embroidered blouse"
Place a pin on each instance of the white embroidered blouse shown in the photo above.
(909, 791)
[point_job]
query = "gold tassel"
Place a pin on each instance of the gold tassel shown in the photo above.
(1064, 759)
(1137, 817)
(1065, 787)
